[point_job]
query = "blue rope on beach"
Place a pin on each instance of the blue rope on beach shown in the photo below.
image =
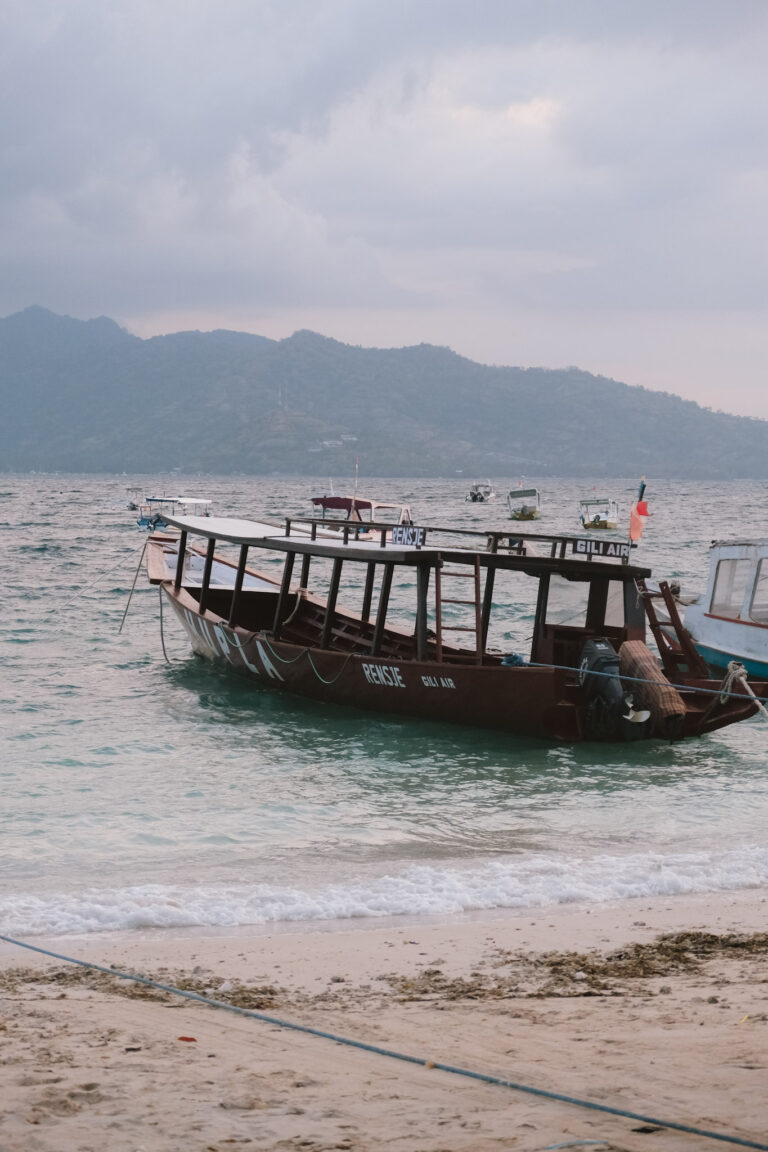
(423, 1062)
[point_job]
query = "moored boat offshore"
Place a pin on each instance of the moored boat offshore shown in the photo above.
(591, 677)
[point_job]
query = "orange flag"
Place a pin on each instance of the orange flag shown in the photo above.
(637, 518)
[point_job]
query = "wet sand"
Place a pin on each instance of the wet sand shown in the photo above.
(659, 1007)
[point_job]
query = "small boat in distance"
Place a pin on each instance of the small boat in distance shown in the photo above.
(730, 620)
(598, 512)
(481, 492)
(153, 510)
(584, 674)
(524, 504)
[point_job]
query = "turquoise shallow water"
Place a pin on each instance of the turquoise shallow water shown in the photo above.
(140, 794)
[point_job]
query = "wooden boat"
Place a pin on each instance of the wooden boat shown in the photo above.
(155, 511)
(590, 677)
(599, 513)
(730, 621)
(361, 509)
(524, 504)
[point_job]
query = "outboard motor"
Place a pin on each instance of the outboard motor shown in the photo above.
(610, 715)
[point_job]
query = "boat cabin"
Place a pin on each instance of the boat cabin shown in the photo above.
(154, 511)
(730, 621)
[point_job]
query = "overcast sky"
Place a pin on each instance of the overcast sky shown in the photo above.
(530, 182)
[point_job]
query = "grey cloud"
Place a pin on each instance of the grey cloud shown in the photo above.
(184, 154)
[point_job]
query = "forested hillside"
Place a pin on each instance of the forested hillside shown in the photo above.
(89, 396)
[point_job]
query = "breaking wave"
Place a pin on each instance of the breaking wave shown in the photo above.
(537, 882)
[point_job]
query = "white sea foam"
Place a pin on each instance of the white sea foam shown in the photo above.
(512, 883)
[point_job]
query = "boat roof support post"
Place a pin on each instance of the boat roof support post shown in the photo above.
(541, 614)
(238, 584)
(370, 576)
(282, 599)
(381, 612)
(180, 561)
(207, 574)
(479, 645)
(596, 605)
(422, 590)
(438, 610)
(485, 614)
(330, 611)
(304, 578)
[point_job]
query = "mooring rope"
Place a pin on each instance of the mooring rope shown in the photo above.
(642, 680)
(162, 630)
(308, 653)
(322, 679)
(84, 589)
(135, 578)
(737, 671)
(392, 1054)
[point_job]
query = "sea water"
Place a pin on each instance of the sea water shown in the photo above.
(140, 792)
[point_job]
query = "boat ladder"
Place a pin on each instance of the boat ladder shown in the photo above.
(475, 603)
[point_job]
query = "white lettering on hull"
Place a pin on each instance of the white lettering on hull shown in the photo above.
(221, 643)
(269, 667)
(438, 682)
(383, 674)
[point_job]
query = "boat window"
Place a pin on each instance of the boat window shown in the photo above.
(614, 608)
(567, 601)
(759, 607)
(730, 587)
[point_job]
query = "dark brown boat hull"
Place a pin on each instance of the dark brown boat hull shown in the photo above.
(527, 701)
(547, 703)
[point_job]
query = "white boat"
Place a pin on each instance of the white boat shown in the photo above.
(154, 510)
(598, 512)
(481, 492)
(362, 510)
(730, 620)
(524, 504)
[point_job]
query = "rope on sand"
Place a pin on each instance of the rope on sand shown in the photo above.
(423, 1062)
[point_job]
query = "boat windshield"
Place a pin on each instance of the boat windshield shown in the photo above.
(730, 587)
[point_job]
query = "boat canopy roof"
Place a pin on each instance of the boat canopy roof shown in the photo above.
(517, 493)
(578, 558)
(761, 543)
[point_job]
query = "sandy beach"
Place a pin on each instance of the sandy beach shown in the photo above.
(659, 1007)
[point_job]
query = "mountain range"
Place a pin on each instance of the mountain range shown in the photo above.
(88, 396)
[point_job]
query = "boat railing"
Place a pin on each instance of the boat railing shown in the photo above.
(494, 541)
